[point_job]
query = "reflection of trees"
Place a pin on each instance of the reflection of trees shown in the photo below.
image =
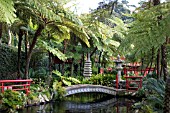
(116, 105)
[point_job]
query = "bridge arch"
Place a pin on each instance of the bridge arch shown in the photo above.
(83, 88)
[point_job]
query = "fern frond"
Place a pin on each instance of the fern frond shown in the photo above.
(7, 11)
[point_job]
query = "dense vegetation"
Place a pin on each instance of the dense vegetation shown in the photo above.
(42, 39)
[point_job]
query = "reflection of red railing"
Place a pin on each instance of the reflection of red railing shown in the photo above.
(17, 85)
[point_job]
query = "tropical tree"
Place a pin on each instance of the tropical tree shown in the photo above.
(46, 14)
(7, 13)
(149, 32)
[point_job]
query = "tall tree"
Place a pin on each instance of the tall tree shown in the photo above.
(46, 15)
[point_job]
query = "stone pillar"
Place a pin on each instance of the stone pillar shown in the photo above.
(167, 97)
(119, 68)
(87, 67)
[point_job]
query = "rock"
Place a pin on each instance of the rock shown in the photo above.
(41, 98)
(45, 98)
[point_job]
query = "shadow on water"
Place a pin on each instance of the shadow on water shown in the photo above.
(85, 103)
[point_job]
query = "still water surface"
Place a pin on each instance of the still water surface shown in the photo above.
(85, 103)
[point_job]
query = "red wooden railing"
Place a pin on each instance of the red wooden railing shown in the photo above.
(17, 85)
(137, 71)
(135, 80)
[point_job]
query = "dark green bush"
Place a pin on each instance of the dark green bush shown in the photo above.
(101, 79)
(8, 61)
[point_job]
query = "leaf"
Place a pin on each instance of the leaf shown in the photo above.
(57, 73)
(54, 51)
(68, 83)
(74, 80)
(7, 11)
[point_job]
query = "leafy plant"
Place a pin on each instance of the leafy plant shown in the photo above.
(154, 91)
(59, 91)
(12, 100)
(66, 80)
(100, 79)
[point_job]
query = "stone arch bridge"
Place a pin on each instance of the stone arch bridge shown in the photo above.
(83, 88)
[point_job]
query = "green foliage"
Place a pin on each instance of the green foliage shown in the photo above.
(38, 75)
(154, 91)
(39, 89)
(100, 79)
(54, 51)
(140, 92)
(12, 100)
(8, 59)
(149, 29)
(66, 80)
(59, 91)
(7, 11)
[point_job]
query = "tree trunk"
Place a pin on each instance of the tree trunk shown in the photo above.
(0, 32)
(26, 44)
(99, 62)
(142, 65)
(164, 61)
(9, 36)
(50, 63)
(64, 51)
(93, 51)
(158, 64)
(151, 60)
(167, 97)
(72, 67)
(156, 2)
(37, 33)
(82, 64)
(19, 51)
(159, 73)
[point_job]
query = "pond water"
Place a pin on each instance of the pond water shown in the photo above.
(85, 103)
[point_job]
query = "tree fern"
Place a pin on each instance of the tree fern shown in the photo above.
(7, 11)
(147, 31)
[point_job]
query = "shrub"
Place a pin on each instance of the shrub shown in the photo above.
(12, 100)
(100, 79)
(59, 91)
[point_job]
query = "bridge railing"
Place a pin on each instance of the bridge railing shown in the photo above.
(133, 82)
(16, 85)
(138, 71)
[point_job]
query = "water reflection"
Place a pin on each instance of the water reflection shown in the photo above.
(85, 103)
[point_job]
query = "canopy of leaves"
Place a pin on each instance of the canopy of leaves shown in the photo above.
(149, 30)
(7, 11)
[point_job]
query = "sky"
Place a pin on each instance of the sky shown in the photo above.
(83, 6)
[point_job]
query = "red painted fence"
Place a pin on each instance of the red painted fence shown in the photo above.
(17, 85)
(133, 80)
(137, 71)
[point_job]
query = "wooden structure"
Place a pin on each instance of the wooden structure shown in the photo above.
(133, 83)
(16, 85)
